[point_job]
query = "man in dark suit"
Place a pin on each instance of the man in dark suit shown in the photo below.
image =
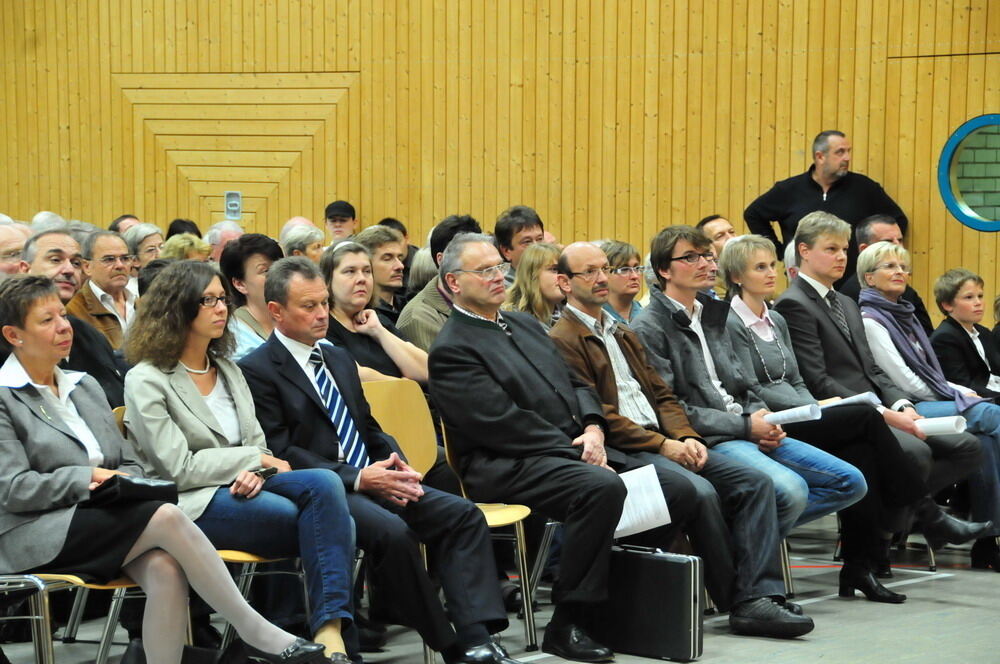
(525, 432)
(311, 406)
(55, 254)
(829, 341)
(966, 350)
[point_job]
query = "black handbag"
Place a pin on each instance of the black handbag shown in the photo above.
(127, 488)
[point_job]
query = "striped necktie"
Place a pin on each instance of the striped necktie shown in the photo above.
(837, 309)
(355, 452)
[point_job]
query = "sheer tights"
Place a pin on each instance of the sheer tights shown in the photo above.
(170, 553)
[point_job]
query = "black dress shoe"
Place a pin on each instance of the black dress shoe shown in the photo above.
(766, 617)
(791, 606)
(858, 577)
(299, 652)
(571, 642)
(486, 653)
(944, 529)
(986, 554)
(339, 658)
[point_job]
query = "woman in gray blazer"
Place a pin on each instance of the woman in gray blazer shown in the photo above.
(59, 442)
(192, 418)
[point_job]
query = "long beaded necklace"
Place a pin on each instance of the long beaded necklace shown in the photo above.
(784, 362)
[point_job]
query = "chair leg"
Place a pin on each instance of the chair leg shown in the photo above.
(786, 570)
(109, 626)
(931, 560)
(243, 580)
(707, 602)
(543, 555)
(41, 624)
(521, 549)
(430, 657)
(75, 615)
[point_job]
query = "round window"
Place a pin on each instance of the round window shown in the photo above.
(969, 173)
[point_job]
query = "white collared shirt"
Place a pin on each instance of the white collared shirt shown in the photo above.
(300, 353)
(994, 381)
(763, 326)
(818, 287)
(109, 304)
(13, 375)
(727, 398)
(632, 402)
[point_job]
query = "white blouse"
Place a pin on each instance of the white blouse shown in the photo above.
(220, 402)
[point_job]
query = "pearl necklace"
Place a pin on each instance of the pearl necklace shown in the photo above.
(198, 372)
(784, 363)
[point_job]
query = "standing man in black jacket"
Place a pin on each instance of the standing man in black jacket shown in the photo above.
(829, 185)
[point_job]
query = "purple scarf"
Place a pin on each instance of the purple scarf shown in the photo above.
(898, 319)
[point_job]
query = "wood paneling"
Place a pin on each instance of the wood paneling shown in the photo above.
(610, 118)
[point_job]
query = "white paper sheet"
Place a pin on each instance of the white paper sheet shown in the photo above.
(940, 426)
(645, 507)
(791, 415)
(868, 398)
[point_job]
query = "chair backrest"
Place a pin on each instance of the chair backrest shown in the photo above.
(120, 419)
(401, 410)
(452, 457)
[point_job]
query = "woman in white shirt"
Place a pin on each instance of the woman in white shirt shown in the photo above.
(902, 349)
(192, 418)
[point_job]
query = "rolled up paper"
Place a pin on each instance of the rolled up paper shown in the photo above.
(941, 426)
(867, 398)
(791, 415)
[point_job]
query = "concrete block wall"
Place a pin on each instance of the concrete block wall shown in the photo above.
(979, 171)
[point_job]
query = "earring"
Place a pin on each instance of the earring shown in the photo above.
(20, 341)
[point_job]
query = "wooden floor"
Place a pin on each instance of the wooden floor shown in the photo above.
(952, 615)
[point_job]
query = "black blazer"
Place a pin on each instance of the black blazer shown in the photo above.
(293, 417)
(959, 358)
(504, 396)
(831, 364)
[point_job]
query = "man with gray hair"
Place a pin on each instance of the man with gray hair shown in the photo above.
(829, 185)
(220, 234)
(105, 300)
(12, 240)
(303, 240)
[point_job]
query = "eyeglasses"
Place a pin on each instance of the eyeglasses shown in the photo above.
(591, 274)
(108, 261)
(629, 270)
(209, 301)
(692, 258)
(894, 267)
(488, 273)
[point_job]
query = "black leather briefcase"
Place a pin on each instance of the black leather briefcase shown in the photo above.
(655, 606)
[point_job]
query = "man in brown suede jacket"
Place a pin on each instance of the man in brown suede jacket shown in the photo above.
(646, 421)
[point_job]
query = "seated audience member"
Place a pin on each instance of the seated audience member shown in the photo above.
(144, 241)
(50, 471)
(388, 251)
(685, 335)
(535, 290)
(105, 300)
(310, 403)
(856, 434)
(11, 244)
(883, 228)
(220, 234)
(123, 223)
(47, 221)
(411, 250)
(426, 312)
(835, 360)
(422, 272)
(290, 224)
(718, 230)
(244, 263)
(341, 221)
(56, 255)
(901, 348)
(517, 228)
(179, 226)
(646, 422)
(968, 353)
(369, 336)
(303, 240)
(186, 247)
(150, 272)
(191, 416)
(624, 280)
(790, 262)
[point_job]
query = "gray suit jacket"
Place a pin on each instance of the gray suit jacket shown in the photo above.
(831, 364)
(179, 439)
(46, 471)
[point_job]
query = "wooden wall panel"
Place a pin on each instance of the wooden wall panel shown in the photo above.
(610, 118)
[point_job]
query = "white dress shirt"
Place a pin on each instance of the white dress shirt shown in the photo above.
(727, 398)
(109, 304)
(220, 402)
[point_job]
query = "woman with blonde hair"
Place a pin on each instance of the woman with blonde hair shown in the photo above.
(535, 290)
(186, 246)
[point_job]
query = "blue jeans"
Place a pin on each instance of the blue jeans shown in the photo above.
(808, 482)
(298, 513)
(983, 419)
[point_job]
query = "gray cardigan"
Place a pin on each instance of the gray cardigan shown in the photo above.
(675, 352)
(46, 470)
(787, 393)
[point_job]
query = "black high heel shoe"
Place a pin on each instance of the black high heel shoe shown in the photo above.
(857, 577)
(986, 554)
(300, 652)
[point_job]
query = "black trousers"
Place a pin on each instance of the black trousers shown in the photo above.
(860, 436)
(460, 551)
(734, 527)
